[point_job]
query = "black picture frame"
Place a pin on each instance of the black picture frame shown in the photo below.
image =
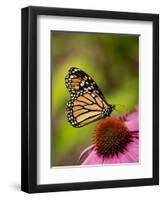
(29, 98)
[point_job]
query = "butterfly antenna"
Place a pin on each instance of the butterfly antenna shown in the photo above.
(115, 110)
(120, 105)
(118, 110)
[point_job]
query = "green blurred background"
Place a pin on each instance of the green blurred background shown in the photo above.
(112, 61)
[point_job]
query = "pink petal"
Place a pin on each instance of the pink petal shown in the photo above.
(93, 158)
(86, 152)
(132, 125)
(111, 160)
(123, 158)
(132, 116)
(131, 157)
(131, 154)
(135, 135)
(133, 151)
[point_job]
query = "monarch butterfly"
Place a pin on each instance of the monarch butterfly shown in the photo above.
(87, 103)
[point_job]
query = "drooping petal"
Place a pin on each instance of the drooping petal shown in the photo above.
(86, 152)
(93, 158)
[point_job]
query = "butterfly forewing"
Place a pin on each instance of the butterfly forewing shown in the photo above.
(77, 80)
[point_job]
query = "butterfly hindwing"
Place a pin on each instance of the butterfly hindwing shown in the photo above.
(82, 109)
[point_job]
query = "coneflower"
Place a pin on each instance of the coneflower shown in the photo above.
(115, 140)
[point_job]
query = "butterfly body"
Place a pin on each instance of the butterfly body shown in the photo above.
(87, 103)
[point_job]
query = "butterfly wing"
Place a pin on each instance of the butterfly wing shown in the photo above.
(85, 108)
(87, 103)
(78, 80)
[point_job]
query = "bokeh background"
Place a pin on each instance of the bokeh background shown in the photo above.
(112, 60)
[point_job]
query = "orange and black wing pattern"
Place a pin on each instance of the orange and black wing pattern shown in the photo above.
(87, 103)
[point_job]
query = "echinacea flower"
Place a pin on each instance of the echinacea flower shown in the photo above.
(115, 140)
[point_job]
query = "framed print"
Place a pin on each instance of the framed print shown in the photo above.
(90, 99)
